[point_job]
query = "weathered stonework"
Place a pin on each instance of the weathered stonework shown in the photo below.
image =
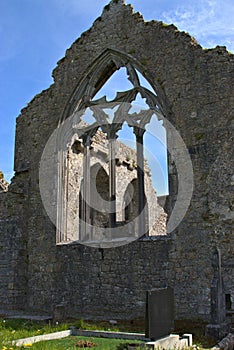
(126, 176)
(3, 183)
(196, 88)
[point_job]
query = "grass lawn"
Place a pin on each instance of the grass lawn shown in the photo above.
(12, 329)
(71, 343)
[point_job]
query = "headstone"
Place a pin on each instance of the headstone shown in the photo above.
(219, 326)
(59, 312)
(218, 302)
(159, 313)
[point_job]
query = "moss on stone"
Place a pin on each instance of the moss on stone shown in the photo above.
(199, 136)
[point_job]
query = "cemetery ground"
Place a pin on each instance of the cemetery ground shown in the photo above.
(13, 329)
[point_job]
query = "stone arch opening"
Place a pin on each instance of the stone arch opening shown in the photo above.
(130, 203)
(97, 75)
(82, 101)
(100, 183)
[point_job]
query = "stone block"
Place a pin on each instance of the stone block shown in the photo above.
(217, 331)
(159, 312)
(173, 341)
(189, 338)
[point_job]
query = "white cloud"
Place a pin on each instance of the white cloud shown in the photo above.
(209, 21)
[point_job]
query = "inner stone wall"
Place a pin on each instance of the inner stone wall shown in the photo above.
(195, 83)
(126, 172)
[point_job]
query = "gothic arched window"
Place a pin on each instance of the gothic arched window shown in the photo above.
(96, 122)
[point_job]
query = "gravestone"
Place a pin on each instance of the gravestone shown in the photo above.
(159, 313)
(219, 326)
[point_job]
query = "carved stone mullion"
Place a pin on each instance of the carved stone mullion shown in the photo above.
(151, 99)
(61, 197)
(66, 193)
(132, 75)
(112, 136)
(112, 181)
(85, 214)
(146, 119)
(140, 180)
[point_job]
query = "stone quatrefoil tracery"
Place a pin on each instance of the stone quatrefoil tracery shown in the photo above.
(122, 104)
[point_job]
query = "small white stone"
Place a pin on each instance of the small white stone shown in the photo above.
(193, 114)
(113, 322)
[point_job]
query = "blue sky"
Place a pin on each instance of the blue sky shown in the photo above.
(155, 150)
(35, 34)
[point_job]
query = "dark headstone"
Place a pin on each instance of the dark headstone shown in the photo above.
(159, 313)
(219, 326)
(59, 312)
(218, 302)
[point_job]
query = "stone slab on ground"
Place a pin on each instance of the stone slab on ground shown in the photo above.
(80, 332)
(43, 337)
(173, 341)
(108, 334)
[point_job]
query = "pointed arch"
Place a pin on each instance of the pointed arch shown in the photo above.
(99, 180)
(130, 201)
(130, 204)
(97, 75)
(82, 98)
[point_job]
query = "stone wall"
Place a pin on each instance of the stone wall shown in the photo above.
(101, 283)
(194, 84)
(13, 246)
(126, 176)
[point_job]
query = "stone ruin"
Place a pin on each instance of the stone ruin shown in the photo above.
(193, 87)
(3, 183)
(126, 178)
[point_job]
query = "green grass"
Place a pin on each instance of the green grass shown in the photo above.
(12, 329)
(70, 343)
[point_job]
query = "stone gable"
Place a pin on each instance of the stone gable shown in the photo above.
(193, 86)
